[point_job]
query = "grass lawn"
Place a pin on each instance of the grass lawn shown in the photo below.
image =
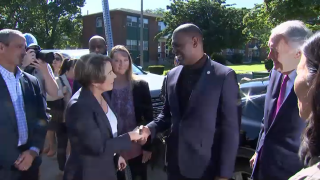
(239, 69)
(245, 68)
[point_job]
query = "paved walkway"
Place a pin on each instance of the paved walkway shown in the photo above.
(49, 171)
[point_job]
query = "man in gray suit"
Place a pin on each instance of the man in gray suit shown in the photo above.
(201, 107)
(277, 150)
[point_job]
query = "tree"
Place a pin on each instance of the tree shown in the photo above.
(158, 11)
(257, 24)
(263, 17)
(220, 23)
(55, 23)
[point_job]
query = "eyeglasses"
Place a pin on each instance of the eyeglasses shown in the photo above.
(58, 59)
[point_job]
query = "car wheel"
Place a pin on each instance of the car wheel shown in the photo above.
(242, 170)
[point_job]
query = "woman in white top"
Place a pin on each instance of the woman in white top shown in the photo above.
(92, 125)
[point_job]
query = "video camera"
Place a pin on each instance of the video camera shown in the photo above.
(46, 57)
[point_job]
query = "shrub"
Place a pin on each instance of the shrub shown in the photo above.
(158, 69)
(237, 58)
(268, 64)
(219, 58)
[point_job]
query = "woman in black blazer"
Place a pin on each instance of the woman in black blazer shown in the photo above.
(131, 100)
(92, 125)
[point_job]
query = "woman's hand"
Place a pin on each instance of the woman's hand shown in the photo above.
(135, 136)
(146, 156)
(121, 163)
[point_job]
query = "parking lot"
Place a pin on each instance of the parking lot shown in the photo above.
(49, 171)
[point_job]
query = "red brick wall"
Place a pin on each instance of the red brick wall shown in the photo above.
(119, 30)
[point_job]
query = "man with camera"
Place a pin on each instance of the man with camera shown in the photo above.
(37, 63)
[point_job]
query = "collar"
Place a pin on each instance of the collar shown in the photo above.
(6, 74)
(293, 75)
(199, 64)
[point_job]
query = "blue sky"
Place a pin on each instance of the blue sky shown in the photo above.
(94, 6)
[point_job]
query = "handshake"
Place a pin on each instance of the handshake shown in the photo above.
(140, 134)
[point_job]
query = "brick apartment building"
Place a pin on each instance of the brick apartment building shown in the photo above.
(126, 31)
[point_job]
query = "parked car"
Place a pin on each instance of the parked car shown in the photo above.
(254, 87)
(252, 115)
(154, 80)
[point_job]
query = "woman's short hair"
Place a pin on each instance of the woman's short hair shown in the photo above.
(67, 64)
(90, 69)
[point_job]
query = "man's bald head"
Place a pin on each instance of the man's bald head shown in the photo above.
(187, 43)
(97, 44)
(189, 30)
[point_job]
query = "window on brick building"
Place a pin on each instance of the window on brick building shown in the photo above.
(132, 21)
(99, 22)
(131, 44)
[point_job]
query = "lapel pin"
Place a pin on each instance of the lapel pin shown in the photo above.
(208, 72)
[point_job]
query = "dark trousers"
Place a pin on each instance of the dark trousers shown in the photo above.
(137, 168)
(62, 139)
(14, 174)
(177, 176)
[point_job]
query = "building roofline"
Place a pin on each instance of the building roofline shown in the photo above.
(131, 11)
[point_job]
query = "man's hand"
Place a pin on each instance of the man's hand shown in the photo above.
(253, 159)
(28, 58)
(24, 162)
(40, 65)
(146, 156)
(145, 132)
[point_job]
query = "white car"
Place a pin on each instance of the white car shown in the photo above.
(155, 81)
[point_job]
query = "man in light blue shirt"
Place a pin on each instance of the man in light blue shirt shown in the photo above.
(23, 116)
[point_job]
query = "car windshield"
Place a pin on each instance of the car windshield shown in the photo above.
(136, 70)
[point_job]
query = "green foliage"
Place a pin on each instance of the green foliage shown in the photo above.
(268, 64)
(237, 58)
(157, 11)
(55, 24)
(157, 69)
(219, 58)
(263, 17)
(220, 23)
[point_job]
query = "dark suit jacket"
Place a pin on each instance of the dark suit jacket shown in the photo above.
(203, 143)
(93, 146)
(279, 141)
(36, 117)
(76, 86)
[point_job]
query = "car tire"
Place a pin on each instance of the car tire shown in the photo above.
(242, 170)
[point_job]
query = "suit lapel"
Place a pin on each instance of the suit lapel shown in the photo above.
(272, 100)
(6, 101)
(199, 87)
(290, 100)
(172, 82)
(100, 116)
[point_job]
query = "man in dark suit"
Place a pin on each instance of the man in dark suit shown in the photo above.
(276, 155)
(23, 117)
(201, 107)
(97, 44)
